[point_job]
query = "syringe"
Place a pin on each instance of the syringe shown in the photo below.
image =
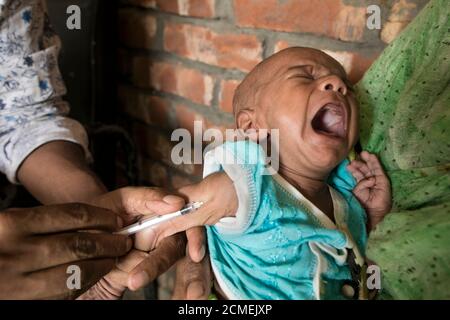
(154, 220)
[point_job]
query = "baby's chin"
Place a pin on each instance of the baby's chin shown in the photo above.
(325, 158)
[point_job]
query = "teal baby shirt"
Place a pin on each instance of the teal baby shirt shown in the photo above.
(279, 245)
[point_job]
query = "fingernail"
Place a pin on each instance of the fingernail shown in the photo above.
(139, 280)
(195, 291)
(170, 199)
(119, 222)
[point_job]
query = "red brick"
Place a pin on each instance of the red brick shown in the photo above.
(360, 65)
(137, 29)
(354, 63)
(221, 126)
(282, 44)
(186, 117)
(232, 51)
(403, 11)
(159, 148)
(150, 109)
(227, 88)
(193, 8)
(332, 18)
(173, 78)
(391, 30)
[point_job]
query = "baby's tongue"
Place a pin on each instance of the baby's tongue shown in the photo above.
(332, 121)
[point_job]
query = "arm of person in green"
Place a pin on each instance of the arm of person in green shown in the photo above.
(405, 120)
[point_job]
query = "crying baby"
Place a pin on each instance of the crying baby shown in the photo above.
(299, 233)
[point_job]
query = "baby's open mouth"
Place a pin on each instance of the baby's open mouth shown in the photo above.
(330, 120)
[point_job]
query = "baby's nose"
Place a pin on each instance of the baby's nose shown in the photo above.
(334, 83)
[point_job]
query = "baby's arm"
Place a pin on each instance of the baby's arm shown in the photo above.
(232, 189)
(373, 189)
(218, 194)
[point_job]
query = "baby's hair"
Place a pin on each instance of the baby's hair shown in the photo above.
(247, 93)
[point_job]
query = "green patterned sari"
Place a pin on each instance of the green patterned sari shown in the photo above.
(405, 120)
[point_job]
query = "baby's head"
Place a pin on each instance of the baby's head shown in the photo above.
(305, 94)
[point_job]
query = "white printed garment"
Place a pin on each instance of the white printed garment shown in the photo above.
(32, 111)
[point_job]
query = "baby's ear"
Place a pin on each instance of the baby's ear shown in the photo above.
(245, 119)
(246, 123)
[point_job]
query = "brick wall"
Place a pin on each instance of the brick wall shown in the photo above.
(180, 61)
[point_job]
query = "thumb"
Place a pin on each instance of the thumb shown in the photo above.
(157, 262)
(196, 243)
(193, 280)
(146, 201)
(167, 204)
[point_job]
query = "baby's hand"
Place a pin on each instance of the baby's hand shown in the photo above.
(373, 189)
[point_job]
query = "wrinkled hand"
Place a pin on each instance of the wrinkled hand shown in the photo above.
(140, 266)
(37, 245)
(138, 269)
(373, 189)
(133, 202)
(130, 202)
(193, 279)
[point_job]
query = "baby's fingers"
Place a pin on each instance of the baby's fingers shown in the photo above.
(362, 166)
(356, 172)
(364, 184)
(373, 163)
